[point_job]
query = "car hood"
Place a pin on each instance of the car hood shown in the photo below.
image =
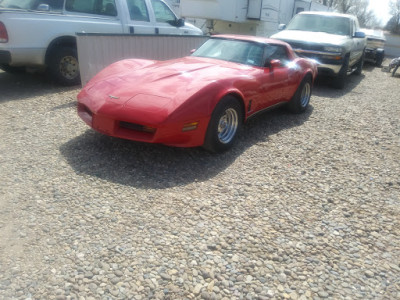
(322, 38)
(161, 86)
(171, 79)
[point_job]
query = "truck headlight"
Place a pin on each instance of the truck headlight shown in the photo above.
(333, 49)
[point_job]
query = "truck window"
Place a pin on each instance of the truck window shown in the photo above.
(31, 4)
(97, 7)
(162, 12)
(138, 10)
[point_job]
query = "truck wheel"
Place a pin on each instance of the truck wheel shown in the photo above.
(64, 67)
(340, 80)
(360, 64)
(379, 59)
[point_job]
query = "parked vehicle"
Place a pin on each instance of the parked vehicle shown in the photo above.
(41, 34)
(375, 51)
(199, 100)
(333, 40)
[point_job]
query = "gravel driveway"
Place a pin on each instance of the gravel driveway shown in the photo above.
(305, 206)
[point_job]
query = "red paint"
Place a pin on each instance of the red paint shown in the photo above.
(166, 95)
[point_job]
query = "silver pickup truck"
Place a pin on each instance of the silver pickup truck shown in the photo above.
(333, 40)
(41, 34)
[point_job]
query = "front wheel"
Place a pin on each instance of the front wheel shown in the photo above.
(360, 64)
(225, 123)
(340, 80)
(301, 98)
(379, 59)
(63, 66)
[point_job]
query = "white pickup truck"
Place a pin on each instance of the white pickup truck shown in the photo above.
(41, 34)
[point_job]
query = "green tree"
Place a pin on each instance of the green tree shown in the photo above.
(359, 8)
(394, 23)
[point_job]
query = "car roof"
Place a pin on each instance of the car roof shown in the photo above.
(327, 13)
(249, 38)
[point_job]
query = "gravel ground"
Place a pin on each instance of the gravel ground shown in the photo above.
(304, 207)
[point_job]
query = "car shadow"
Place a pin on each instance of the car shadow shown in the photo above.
(323, 86)
(25, 85)
(144, 165)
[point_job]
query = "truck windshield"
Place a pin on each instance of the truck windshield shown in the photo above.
(320, 23)
(31, 4)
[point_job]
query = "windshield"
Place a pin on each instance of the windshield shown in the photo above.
(321, 23)
(31, 4)
(244, 52)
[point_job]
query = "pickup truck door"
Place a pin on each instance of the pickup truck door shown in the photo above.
(166, 22)
(357, 45)
(140, 17)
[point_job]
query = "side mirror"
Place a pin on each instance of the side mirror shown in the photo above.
(43, 7)
(180, 23)
(282, 26)
(275, 63)
(192, 51)
(359, 34)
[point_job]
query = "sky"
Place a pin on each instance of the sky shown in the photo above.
(381, 9)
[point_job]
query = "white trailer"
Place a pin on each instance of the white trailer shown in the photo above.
(255, 17)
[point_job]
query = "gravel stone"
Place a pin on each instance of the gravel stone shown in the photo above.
(303, 207)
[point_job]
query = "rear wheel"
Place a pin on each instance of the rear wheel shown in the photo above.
(225, 123)
(63, 66)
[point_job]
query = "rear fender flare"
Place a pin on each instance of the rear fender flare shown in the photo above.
(63, 41)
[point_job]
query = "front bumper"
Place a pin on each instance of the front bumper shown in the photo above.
(166, 133)
(328, 63)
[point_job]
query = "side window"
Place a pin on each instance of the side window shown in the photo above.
(54, 5)
(97, 7)
(82, 6)
(162, 12)
(277, 52)
(138, 10)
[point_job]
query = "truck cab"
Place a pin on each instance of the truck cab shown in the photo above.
(41, 34)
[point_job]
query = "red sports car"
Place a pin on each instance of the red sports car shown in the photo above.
(199, 100)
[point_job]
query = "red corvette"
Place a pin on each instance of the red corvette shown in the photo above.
(199, 100)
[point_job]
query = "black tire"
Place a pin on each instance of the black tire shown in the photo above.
(301, 98)
(225, 123)
(12, 70)
(63, 66)
(340, 80)
(360, 64)
(379, 59)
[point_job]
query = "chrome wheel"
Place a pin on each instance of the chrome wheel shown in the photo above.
(227, 125)
(305, 94)
(69, 67)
